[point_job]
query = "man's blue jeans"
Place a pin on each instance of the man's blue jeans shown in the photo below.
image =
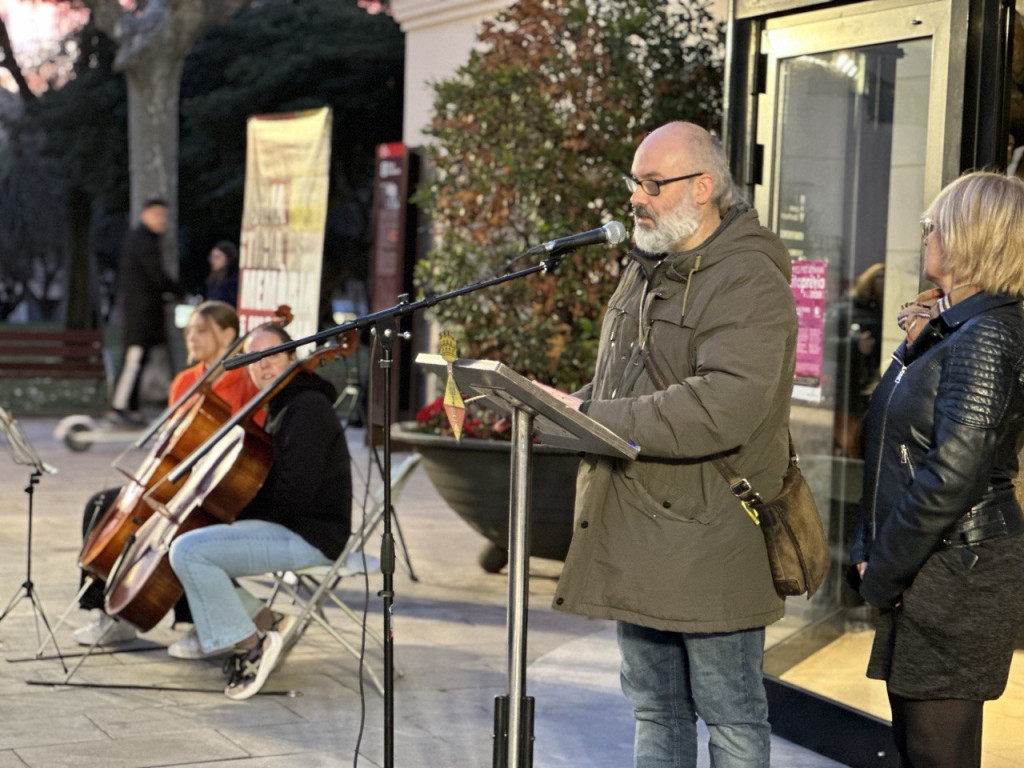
(672, 678)
(207, 559)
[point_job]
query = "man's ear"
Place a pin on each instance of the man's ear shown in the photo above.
(703, 188)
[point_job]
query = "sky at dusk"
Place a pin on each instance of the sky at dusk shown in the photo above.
(36, 29)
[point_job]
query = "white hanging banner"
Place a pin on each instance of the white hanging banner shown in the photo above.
(287, 166)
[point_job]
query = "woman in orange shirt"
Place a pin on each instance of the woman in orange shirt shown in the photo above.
(211, 330)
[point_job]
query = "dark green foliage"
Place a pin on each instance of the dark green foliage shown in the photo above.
(277, 55)
(67, 142)
(532, 138)
(282, 56)
(84, 123)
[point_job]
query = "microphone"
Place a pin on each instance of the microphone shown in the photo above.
(613, 232)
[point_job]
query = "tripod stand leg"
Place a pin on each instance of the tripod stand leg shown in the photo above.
(404, 558)
(16, 598)
(88, 653)
(37, 607)
(63, 617)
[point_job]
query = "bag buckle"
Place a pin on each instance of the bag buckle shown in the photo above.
(741, 487)
(751, 512)
(745, 492)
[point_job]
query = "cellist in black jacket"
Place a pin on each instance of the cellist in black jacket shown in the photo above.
(301, 517)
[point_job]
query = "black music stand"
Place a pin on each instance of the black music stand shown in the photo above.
(535, 412)
(22, 452)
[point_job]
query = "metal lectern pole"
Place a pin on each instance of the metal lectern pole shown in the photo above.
(520, 707)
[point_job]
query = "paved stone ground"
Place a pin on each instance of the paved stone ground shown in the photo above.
(450, 643)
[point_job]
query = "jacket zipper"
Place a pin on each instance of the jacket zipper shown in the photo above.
(633, 368)
(905, 459)
(878, 464)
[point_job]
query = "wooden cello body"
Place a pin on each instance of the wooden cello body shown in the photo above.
(226, 472)
(106, 539)
(143, 588)
(184, 426)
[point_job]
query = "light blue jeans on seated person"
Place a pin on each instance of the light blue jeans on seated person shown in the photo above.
(205, 560)
(672, 678)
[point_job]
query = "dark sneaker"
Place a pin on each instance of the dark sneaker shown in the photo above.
(250, 669)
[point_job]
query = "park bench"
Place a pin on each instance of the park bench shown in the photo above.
(52, 354)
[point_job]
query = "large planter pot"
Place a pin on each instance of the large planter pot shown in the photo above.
(472, 476)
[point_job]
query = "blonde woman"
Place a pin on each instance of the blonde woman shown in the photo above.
(941, 554)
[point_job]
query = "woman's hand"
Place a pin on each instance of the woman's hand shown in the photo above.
(861, 567)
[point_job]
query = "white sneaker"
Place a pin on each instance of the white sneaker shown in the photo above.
(252, 668)
(106, 631)
(187, 647)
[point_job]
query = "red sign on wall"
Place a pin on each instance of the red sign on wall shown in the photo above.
(390, 192)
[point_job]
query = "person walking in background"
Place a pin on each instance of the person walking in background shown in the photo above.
(142, 285)
(696, 359)
(940, 549)
(222, 282)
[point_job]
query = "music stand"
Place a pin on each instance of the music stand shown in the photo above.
(24, 453)
(534, 412)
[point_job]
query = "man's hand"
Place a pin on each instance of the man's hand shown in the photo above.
(567, 399)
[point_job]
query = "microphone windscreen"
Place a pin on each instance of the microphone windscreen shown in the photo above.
(615, 232)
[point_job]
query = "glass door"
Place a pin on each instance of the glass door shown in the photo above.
(857, 138)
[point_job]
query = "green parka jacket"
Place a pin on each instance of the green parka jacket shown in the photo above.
(661, 541)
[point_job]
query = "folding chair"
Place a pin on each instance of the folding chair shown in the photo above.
(311, 588)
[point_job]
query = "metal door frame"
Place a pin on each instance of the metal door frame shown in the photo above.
(852, 26)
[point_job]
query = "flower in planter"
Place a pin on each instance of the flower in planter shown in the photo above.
(480, 423)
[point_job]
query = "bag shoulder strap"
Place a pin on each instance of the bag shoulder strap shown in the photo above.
(738, 484)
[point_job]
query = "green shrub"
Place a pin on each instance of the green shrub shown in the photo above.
(529, 142)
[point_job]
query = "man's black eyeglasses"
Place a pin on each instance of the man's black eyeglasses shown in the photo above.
(653, 187)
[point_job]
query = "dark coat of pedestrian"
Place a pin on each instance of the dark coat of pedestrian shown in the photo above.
(142, 286)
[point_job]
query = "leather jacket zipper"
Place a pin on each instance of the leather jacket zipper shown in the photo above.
(878, 464)
(906, 460)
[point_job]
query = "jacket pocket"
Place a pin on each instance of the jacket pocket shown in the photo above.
(906, 460)
(666, 490)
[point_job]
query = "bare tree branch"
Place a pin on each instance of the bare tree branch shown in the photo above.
(10, 63)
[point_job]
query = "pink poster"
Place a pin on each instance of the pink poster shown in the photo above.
(808, 285)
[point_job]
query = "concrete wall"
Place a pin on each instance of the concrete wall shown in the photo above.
(439, 35)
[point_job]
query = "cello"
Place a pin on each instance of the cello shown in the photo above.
(225, 473)
(183, 426)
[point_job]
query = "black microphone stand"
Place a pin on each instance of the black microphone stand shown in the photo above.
(386, 330)
(384, 324)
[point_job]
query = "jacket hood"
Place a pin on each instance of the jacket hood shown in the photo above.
(739, 233)
(302, 382)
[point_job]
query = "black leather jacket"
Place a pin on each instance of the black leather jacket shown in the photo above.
(941, 439)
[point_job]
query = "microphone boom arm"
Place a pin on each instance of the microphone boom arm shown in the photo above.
(401, 309)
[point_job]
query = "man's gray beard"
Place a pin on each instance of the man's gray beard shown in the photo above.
(669, 231)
